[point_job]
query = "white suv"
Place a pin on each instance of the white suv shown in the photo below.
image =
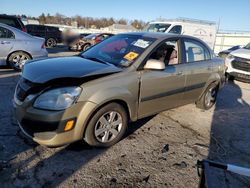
(238, 64)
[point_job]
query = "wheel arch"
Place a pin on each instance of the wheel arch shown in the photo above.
(214, 78)
(98, 107)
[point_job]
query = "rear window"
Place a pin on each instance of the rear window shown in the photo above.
(52, 29)
(195, 51)
(11, 22)
(90, 36)
(157, 27)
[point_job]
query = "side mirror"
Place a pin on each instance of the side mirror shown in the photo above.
(154, 64)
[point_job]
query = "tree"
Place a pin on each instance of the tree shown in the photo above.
(122, 21)
(42, 19)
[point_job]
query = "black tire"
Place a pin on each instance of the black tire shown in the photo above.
(96, 125)
(206, 102)
(17, 59)
(85, 46)
(229, 77)
(51, 42)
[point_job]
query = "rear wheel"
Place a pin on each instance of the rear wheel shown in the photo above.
(209, 97)
(229, 77)
(17, 60)
(51, 42)
(107, 126)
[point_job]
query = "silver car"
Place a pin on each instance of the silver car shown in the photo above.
(16, 47)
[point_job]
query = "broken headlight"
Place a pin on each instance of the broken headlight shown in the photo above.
(57, 99)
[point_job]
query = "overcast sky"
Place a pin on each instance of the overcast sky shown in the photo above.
(233, 15)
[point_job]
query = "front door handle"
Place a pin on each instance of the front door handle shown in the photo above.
(5, 42)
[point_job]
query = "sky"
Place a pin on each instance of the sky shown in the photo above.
(232, 15)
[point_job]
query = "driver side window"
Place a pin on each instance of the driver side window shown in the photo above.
(167, 53)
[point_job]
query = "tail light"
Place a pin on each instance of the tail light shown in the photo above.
(97, 39)
(43, 45)
(24, 29)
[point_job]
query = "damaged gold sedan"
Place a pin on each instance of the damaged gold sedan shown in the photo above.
(93, 96)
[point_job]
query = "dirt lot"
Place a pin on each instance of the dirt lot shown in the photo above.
(139, 160)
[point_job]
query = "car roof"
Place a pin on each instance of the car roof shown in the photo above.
(157, 35)
(163, 36)
(8, 16)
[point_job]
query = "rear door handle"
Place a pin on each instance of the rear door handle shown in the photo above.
(5, 42)
(179, 73)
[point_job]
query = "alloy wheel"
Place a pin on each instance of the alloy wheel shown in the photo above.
(108, 126)
(19, 60)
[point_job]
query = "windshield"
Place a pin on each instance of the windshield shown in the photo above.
(247, 46)
(157, 27)
(120, 50)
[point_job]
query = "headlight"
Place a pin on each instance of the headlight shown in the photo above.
(230, 57)
(57, 99)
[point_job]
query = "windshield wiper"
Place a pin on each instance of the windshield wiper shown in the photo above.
(95, 59)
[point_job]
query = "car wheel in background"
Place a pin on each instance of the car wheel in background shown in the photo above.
(85, 47)
(17, 60)
(50, 42)
(209, 97)
(107, 126)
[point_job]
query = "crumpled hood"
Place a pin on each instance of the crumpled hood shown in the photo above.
(243, 53)
(41, 71)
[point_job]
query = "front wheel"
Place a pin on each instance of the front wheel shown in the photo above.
(209, 97)
(107, 126)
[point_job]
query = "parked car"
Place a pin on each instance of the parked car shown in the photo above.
(70, 39)
(83, 44)
(16, 47)
(12, 21)
(93, 96)
(238, 64)
(52, 35)
(225, 53)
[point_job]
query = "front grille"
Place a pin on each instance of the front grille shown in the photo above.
(241, 64)
(26, 87)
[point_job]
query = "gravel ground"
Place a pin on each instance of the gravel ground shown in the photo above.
(159, 151)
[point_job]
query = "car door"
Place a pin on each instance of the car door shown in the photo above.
(7, 38)
(161, 90)
(199, 68)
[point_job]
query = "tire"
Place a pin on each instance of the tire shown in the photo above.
(100, 134)
(17, 60)
(51, 42)
(229, 77)
(209, 97)
(85, 47)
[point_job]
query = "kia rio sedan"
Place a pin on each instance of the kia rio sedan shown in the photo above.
(94, 96)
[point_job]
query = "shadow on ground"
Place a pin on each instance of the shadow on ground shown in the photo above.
(229, 137)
